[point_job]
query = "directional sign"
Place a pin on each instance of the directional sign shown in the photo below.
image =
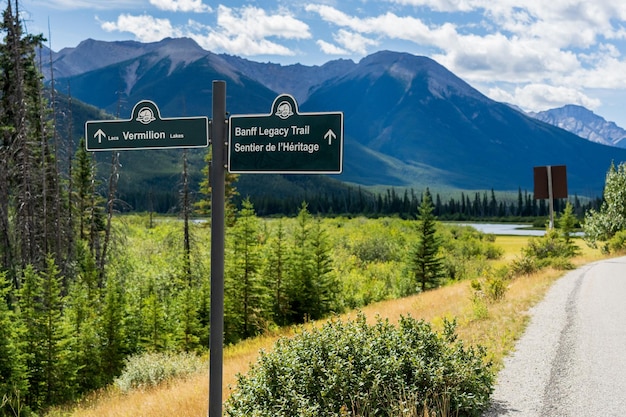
(285, 141)
(147, 130)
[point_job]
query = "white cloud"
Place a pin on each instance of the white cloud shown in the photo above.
(353, 42)
(537, 97)
(330, 49)
(520, 42)
(145, 28)
(257, 24)
(246, 31)
(195, 6)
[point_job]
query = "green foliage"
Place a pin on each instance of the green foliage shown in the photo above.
(567, 223)
(13, 373)
(312, 287)
(551, 250)
(600, 226)
(524, 265)
(617, 243)
(425, 262)
(147, 303)
(151, 369)
(489, 288)
(366, 370)
(466, 250)
(247, 299)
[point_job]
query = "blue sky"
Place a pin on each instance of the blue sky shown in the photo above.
(536, 54)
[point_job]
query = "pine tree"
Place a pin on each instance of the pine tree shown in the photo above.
(300, 278)
(111, 329)
(275, 274)
(153, 332)
(51, 365)
(189, 326)
(248, 298)
(13, 373)
(426, 264)
(325, 286)
(59, 360)
(87, 202)
(81, 319)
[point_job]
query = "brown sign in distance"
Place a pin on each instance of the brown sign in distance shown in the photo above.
(559, 182)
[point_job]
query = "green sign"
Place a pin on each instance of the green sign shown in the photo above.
(147, 130)
(285, 141)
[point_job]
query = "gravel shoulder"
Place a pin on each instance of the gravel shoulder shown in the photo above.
(570, 361)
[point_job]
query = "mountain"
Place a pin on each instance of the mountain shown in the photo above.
(412, 110)
(584, 123)
(409, 122)
(297, 80)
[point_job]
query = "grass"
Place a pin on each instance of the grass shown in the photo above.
(497, 328)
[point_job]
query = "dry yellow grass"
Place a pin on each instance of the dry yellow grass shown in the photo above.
(497, 331)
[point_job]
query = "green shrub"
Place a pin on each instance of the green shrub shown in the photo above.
(561, 263)
(551, 245)
(525, 265)
(618, 242)
(150, 369)
(352, 368)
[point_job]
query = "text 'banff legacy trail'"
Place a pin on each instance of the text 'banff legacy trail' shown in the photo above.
(286, 141)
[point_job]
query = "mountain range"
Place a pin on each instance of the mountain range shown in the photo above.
(409, 122)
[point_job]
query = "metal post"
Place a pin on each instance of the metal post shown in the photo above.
(218, 176)
(550, 197)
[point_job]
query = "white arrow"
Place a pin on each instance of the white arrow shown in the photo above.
(99, 135)
(330, 135)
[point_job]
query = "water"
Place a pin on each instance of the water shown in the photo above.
(505, 229)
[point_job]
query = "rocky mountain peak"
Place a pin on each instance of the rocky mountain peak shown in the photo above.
(584, 123)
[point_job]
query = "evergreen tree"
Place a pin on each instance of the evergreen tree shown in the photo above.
(248, 298)
(301, 278)
(51, 365)
(275, 274)
(87, 202)
(59, 360)
(13, 373)
(81, 318)
(567, 223)
(325, 286)
(111, 329)
(426, 264)
(189, 328)
(154, 335)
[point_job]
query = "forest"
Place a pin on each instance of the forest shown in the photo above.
(83, 287)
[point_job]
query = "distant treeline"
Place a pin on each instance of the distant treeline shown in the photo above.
(465, 206)
(481, 205)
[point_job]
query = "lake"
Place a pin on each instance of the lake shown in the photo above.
(505, 229)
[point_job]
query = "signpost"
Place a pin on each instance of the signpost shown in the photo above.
(550, 183)
(285, 141)
(147, 130)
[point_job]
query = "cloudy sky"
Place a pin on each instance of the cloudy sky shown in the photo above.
(537, 54)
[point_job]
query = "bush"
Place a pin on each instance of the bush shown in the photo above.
(150, 369)
(525, 265)
(352, 368)
(618, 242)
(552, 245)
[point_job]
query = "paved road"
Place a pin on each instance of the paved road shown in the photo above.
(571, 361)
